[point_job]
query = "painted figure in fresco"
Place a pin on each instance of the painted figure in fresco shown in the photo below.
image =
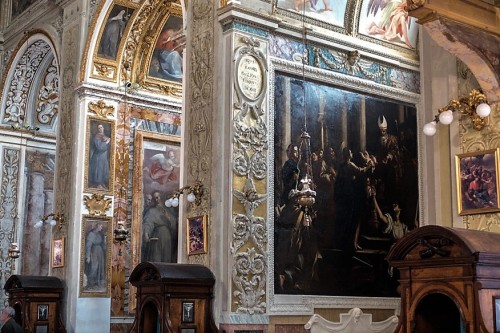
(168, 54)
(95, 258)
(112, 35)
(313, 4)
(159, 232)
(393, 23)
(394, 226)
(348, 189)
(99, 159)
(290, 172)
(295, 243)
(162, 169)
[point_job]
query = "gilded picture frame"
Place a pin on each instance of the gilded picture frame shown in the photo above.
(196, 235)
(477, 182)
(363, 152)
(95, 261)
(99, 148)
(151, 149)
(57, 253)
(162, 59)
(111, 40)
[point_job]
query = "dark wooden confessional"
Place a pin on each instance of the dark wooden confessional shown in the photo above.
(37, 301)
(449, 280)
(173, 298)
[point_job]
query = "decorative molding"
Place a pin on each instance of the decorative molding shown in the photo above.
(250, 146)
(8, 211)
(97, 204)
(346, 81)
(48, 96)
(16, 101)
(102, 110)
(200, 90)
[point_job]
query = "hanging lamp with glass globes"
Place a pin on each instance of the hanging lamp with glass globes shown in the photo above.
(52, 219)
(474, 106)
(194, 194)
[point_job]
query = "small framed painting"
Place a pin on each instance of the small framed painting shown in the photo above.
(58, 253)
(42, 312)
(477, 182)
(188, 312)
(197, 235)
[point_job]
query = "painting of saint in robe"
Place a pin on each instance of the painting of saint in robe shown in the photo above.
(99, 158)
(113, 32)
(166, 62)
(160, 176)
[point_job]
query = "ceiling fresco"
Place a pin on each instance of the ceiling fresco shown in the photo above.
(329, 11)
(388, 20)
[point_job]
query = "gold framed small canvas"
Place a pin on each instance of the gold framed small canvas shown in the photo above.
(196, 235)
(58, 253)
(477, 182)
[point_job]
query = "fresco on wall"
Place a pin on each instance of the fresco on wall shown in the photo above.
(364, 168)
(19, 6)
(388, 20)
(38, 200)
(329, 11)
(166, 62)
(113, 31)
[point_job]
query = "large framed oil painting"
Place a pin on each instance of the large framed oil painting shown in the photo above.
(166, 60)
(95, 261)
(113, 31)
(364, 169)
(477, 182)
(156, 178)
(100, 155)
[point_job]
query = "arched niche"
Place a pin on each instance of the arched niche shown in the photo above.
(125, 40)
(30, 98)
(29, 119)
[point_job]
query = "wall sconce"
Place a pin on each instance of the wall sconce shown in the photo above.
(120, 233)
(55, 219)
(14, 251)
(474, 106)
(194, 194)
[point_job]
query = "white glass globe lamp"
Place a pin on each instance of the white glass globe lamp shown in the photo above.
(483, 110)
(446, 117)
(191, 197)
(430, 128)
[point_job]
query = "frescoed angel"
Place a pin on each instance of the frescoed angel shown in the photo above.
(393, 23)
